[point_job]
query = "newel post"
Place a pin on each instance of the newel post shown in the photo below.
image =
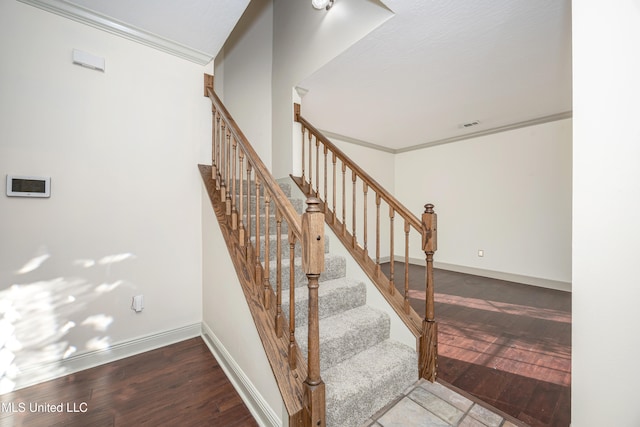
(428, 357)
(313, 265)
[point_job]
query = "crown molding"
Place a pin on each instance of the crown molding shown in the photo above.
(356, 141)
(113, 26)
(513, 126)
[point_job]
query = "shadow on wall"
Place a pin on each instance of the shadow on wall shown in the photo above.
(38, 318)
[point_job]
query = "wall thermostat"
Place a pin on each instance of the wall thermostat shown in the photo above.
(28, 186)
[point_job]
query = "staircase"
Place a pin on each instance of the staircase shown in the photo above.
(362, 368)
(330, 353)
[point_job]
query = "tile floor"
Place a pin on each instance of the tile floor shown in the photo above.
(427, 404)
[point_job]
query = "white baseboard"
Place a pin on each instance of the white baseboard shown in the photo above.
(258, 406)
(510, 277)
(52, 370)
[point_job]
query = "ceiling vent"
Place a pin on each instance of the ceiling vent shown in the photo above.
(470, 124)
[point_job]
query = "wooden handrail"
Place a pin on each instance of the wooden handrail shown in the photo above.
(244, 190)
(287, 209)
(371, 182)
(425, 329)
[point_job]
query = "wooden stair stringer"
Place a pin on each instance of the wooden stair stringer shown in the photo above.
(290, 382)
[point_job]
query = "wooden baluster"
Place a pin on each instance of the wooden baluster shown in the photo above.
(354, 239)
(279, 317)
(234, 180)
(218, 158)
(258, 234)
(317, 192)
(313, 265)
(241, 232)
(228, 172)
(221, 131)
(292, 298)
(428, 355)
(335, 212)
(344, 198)
(310, 164)
(216, 149)
(407, 305)
(214, 164)
(248, 223)
(365, 188)
(302, 177)
(378, 198)
(326, 197)
(266, 292)
(392, 286)
(223, 189)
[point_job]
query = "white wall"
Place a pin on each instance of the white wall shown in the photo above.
(275, 45)
(380, 166)
(606, 189)
(508, 194)
(304, 39)
(245, 87)
(121, 148)
(227, 319)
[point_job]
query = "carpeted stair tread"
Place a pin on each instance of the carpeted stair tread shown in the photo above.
(298, 204)
(284, 186)
(284, 246)
(347, 333)
(335, 296)
(335, 268)
(284, 227)
(362, 368)
(360, 386)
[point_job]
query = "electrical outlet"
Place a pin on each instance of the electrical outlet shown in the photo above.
(137, 303)
(480, 252)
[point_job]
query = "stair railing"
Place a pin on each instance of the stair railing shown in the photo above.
(320, 162)
(249, 195)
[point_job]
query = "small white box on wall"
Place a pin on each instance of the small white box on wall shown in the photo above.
(28, 186)
(88, 60)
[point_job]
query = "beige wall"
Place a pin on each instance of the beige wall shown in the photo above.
(229, 324)
(305, 39)
(121, 148)
(243, 76)
(606, 202)
(508, 194)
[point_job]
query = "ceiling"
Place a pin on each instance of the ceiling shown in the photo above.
(439, 64)
(193, 29)
(203, 25)
(415, 81)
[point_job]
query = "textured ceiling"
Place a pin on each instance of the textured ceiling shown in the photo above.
(202, 25)
(441, 63)
(413, 81)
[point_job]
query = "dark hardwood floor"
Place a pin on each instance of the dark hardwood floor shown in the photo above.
(178, 385)
(505, 343)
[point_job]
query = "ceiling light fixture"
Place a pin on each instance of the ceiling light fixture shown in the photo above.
(322, 4)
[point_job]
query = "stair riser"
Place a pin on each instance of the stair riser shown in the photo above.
(285, 187)
(284, 245)
(335, 268)
(350, 408)
(298, 205)
(329, 304)
(284, 227)
(354, 338)
(361, 372)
